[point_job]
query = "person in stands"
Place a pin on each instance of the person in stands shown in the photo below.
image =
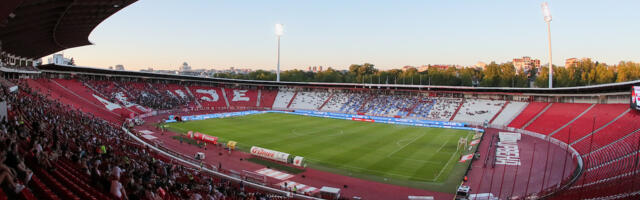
(117, 190)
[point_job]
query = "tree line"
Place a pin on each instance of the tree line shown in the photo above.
(584, 72)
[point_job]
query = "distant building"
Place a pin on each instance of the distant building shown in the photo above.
(166, 71)
(405, 68)
(423, 68)
(439, 66)
(481, 65)
(314, 68)
(120, 67)
(526, 64)
(59, 59)
(185, 67)
(570, 62)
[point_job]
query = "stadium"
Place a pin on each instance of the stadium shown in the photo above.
(74, 132)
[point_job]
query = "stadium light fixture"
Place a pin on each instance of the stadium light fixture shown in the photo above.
(279, 31)
(547, 19)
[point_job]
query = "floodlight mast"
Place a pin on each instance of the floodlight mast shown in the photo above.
(547, 18)
(279, 31)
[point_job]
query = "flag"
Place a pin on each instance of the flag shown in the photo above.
(466, 157)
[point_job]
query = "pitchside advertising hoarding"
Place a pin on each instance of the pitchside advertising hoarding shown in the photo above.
(203, 137)
(635, 97)
(277, 156)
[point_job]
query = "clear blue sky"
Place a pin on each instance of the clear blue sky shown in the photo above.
(219, 34)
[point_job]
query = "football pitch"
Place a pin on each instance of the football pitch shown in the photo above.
(420, 157)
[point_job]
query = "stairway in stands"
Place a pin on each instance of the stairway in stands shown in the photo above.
(361, 108)
(413, 107)
(457, 109)
(326, 101)
(292, 98)
(536, 116)
(498, 113)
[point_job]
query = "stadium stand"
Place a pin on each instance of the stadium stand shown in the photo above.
(209, 96)
(444, 108)
(309, 100)
(355, 102)
(63, 135)
(63, 170)
(478, 110)
(597, 117)
(241, 97)
(556, 116)
(337, 101)
(283, 98)
(530, 112)
(387, 105)
(510, 111)
(267, 98)
(112, 92)
(607, 147)
(422, 108)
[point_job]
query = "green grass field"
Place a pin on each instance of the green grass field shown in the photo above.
(420, 157)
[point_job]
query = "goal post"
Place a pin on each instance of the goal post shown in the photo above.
(462, 144)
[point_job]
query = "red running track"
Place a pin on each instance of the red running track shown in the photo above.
(499, 180)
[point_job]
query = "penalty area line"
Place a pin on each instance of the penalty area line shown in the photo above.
(396, 151)
(445, 166)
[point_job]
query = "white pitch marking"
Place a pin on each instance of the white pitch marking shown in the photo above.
(447, 164)
(396, 151)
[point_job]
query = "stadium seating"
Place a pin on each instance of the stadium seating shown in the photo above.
(241, 97)
(309, 100)
(595, 118)
(336, 102)
(388, 105)
(87, 103)
(606, 134)
(531, 111)
(478, 110)
(444, 108)
(114, 93)
(208, 96)
(71, 179)
(267, 98)
(556, 116)
(423, 108)
(510, 111)
(355, 102)
(608, 146)
(283, 98)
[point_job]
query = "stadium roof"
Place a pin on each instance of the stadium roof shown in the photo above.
(36, 28)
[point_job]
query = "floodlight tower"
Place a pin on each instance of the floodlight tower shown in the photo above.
(547, 18)
(279, 31)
